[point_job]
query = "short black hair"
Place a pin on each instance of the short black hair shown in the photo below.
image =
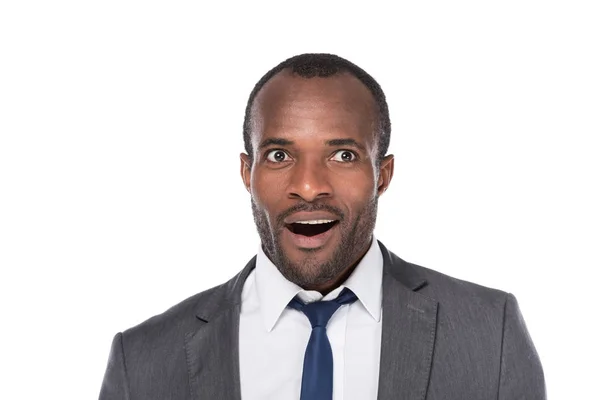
(324, 65)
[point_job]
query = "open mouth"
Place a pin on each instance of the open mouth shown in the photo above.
(311, 228)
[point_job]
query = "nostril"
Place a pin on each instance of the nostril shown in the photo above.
(308, 196)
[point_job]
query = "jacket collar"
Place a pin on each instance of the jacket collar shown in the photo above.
(408, 335)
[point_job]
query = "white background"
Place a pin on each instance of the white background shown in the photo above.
(120, 134)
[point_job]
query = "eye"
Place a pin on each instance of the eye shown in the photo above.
(344, 156)
(277, 156)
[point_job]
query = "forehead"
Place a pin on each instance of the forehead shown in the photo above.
(293, 107)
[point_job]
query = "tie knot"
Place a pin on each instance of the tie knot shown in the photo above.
(319, 312)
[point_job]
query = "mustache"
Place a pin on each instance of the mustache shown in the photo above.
(309, 207)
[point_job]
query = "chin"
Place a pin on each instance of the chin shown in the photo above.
(310, 255)
(309, 268)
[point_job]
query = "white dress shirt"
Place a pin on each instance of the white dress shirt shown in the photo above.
(273, 337)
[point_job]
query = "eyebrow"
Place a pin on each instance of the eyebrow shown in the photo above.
(276, 142)
(333, 143)
(346, 142)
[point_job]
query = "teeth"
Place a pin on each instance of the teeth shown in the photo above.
(316, 221)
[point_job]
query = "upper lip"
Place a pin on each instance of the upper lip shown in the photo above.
(309, 216)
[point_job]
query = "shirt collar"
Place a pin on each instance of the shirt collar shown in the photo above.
(275, 291)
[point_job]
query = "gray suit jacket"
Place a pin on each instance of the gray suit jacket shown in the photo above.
(442, 338)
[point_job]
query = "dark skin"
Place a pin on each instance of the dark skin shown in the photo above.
(315, 150)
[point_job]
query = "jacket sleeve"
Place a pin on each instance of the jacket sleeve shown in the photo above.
(521, 374)
(115, 385)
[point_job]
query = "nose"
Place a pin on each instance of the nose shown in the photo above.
(309, 181)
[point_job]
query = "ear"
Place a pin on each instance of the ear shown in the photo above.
(386, 171)
(245, 169)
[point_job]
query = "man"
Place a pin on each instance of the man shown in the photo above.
(325, 311)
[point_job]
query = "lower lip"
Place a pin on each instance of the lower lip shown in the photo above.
(310, 242)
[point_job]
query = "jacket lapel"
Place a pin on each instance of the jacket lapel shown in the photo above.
(408, 337)
(408, 332)
(212, 351)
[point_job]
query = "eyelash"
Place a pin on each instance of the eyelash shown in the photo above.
(272, 151)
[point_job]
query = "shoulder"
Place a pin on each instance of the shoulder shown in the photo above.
(444, 288)
(190, 313)
(174, 321)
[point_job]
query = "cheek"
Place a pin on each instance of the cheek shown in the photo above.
(359, 187)
(265, 190)
(356, 198)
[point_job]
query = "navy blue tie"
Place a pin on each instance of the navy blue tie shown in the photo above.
(317, 374)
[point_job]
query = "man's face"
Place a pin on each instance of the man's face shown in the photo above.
(313, 175)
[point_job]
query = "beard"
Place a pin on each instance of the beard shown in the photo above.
(355, 239)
